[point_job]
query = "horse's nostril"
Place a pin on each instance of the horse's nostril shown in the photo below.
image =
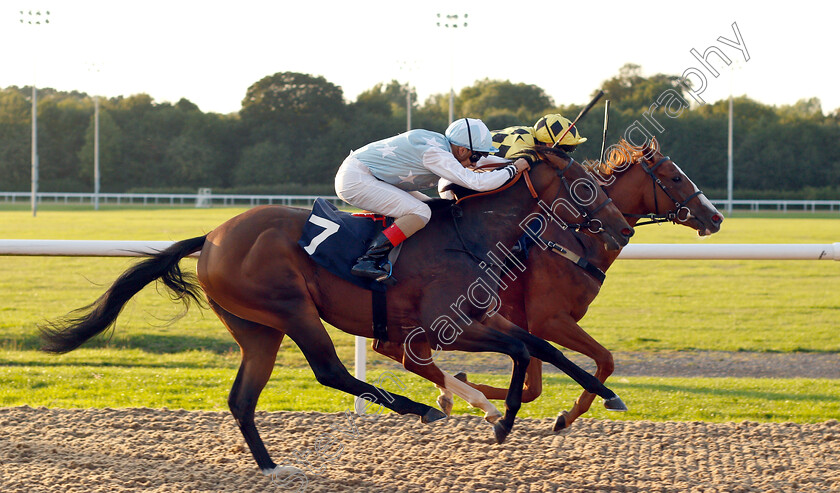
(627, 232)
(717, 218)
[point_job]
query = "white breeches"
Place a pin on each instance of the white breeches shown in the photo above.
(356, 185)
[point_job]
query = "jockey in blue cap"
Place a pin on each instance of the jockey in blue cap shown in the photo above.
(386, 177)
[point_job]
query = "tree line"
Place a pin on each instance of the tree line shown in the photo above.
(293, 130)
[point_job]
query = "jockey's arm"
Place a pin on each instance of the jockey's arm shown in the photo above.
(445, 165)
(490, 160)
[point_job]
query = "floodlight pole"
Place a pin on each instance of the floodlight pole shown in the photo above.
(729, 166)
(96, 153)
(34, 195)
(34, 18)
(94, 68)
(452, 21)
(407, 66)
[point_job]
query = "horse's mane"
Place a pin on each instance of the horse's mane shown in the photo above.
(621, 156)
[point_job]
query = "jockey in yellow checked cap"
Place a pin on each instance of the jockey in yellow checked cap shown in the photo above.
(512, 141)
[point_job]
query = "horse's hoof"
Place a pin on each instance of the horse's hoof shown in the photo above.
(281, 471)
(432, 415)
(560, 422)
(501, 432)
(462, 376)
(492, 418)
(445, 404)
(287, 478)
(615, 404)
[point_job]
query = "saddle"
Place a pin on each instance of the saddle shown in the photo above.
(335, 239)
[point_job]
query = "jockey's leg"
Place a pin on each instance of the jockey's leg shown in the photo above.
(368, 265)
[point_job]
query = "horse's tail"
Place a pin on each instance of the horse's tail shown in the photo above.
(70, 332)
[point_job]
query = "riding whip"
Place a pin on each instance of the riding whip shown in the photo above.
(606, 124)
(580, 115)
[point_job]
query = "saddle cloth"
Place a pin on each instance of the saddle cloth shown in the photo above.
(335, 239)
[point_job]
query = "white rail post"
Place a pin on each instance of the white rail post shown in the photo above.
(360, 369)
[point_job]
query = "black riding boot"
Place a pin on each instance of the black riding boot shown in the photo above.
(368, 264)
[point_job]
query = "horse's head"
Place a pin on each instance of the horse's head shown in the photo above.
(671, 196)
(572, 194)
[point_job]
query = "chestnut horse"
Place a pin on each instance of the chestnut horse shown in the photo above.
(263, 286)
(553, 292)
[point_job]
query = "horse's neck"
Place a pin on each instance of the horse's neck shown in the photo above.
(593, 250)
(629, 189)
(498, 218)
(627, 192)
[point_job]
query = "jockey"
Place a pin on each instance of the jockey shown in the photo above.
(386, 176)
(513, 141)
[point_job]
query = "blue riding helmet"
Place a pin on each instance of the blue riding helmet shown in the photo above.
(460, 135)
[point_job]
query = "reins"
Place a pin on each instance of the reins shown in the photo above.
(588, 216)
(503, 187)
(457, 212)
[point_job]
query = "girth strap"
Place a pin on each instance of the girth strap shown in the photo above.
(380, 315)
(581, 262)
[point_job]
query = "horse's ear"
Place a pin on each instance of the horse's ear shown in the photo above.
(654, 144)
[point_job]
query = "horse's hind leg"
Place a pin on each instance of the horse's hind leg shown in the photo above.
(395, 351)
(312, 338)
(477, 337)
(259, 345)
(416, 357)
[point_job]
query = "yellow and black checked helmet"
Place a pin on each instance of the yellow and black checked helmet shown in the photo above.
(513, 140)
(550, 127)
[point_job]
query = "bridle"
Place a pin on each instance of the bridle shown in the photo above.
(679, 213)
(589, 218)
(588, 215)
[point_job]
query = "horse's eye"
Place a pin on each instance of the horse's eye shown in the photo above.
(676, 179)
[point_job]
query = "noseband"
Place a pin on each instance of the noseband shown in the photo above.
(679, 213)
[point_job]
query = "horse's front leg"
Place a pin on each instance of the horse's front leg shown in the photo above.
(477, 337)
(416, 357)
(564, 331)
(530, 391)
(548, 353)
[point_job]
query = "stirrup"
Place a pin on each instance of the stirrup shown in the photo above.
(387, 278)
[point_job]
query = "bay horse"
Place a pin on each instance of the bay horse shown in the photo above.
(262, 285)
(553, 291)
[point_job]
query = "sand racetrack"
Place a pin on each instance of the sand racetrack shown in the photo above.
(115, 450)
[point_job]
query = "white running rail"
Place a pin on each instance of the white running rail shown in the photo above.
(755, 251)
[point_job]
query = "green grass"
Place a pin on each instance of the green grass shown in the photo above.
(657, 399)
(645, 305)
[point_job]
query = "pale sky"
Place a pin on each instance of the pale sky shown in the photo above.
(211, 52)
